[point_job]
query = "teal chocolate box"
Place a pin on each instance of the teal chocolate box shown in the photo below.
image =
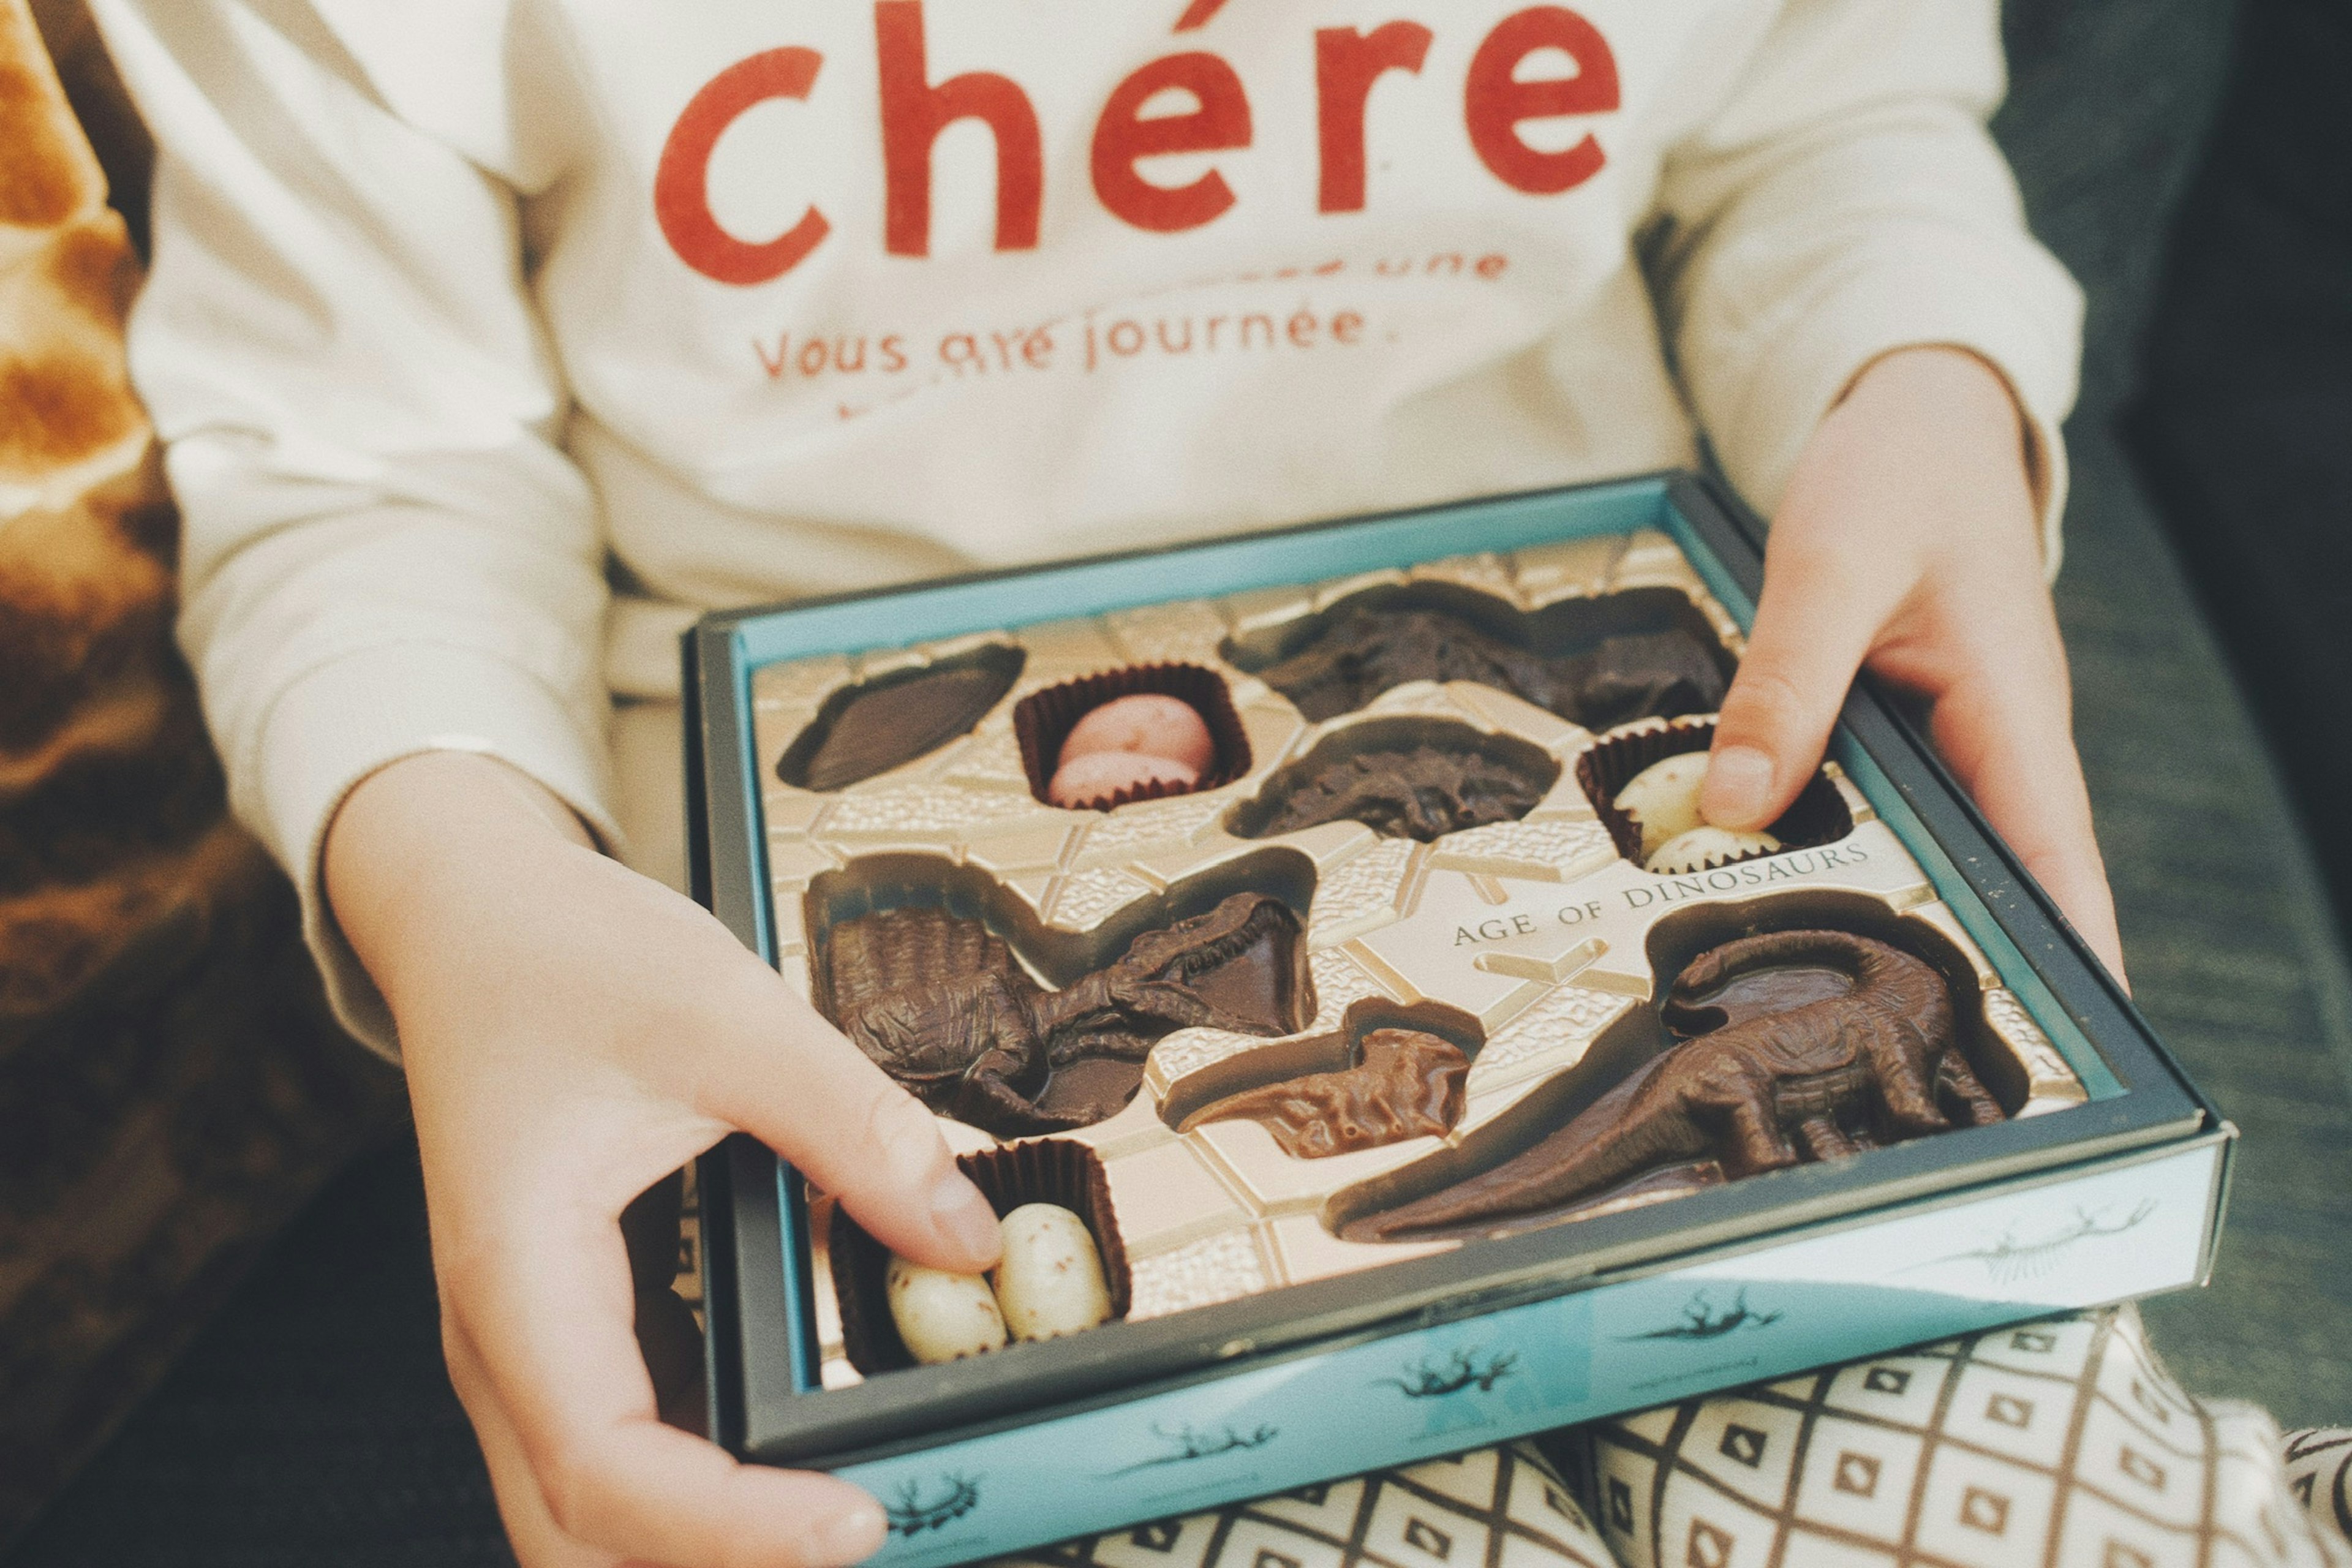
(1272, 1329)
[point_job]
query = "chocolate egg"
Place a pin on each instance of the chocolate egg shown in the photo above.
(1663, 799)
(1149, 723)
(1090, 780)
(1704, 847)
(941, 1316)
(1050, 1281)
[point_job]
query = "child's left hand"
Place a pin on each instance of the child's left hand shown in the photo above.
(1907, 541)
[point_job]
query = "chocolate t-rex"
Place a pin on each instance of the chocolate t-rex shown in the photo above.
(1367, 650)
(940, 1004)
(1875, 1065)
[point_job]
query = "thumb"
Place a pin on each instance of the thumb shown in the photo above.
(1814, 624)
(811, 1096)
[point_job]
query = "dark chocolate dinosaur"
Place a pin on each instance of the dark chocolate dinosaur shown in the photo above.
(1367, 650)
(1875, 1065)
(941, 1006)
(1413, 792)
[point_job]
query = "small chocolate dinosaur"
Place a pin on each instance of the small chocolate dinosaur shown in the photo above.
(940, 1004)
(1405, 1083)
(1367, 651)
(1416, 792)
(1874, 1065)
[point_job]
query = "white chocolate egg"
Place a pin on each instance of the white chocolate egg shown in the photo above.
(1663, 799)
(941, 1316)
(1151, 723)
(1090, 780)
(1707, 845)
(1050, 1281)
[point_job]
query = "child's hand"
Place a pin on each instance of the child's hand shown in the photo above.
(573, 1033)
(1907, 540)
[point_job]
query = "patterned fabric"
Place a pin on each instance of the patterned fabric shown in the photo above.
(2319, 1475)
(171, 1087)
(1491, 1508)
(2062, 1444)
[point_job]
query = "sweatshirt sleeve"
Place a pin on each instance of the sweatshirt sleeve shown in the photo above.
(384, 551)
(1846, 201)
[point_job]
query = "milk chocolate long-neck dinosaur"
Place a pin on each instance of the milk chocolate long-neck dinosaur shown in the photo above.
(1875, 1065)
(941, 1006)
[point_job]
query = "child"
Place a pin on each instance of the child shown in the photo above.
(495, 341)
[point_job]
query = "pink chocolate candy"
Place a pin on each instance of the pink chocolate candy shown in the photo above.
(1082, 782)
(1149, 723)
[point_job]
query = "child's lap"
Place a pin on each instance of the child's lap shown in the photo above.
(2063, 1443)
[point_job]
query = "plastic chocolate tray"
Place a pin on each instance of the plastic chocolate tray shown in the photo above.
(1374, 1031)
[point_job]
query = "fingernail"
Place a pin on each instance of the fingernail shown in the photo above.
(963, 1216)
(1738, 787)
(852, 1535)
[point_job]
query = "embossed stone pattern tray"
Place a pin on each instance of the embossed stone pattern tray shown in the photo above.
(1536, 940)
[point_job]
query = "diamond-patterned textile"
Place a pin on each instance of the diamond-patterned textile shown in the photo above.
(1490, 1508)
(2064, 1444)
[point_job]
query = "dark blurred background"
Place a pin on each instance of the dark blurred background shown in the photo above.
(2208, 559)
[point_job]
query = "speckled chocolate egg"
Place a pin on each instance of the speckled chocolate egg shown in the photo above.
(1663, 798)
(1050, 1281)
(941, 1316)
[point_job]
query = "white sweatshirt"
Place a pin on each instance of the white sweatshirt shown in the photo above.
(494, 339)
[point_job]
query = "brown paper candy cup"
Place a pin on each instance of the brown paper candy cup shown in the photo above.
(1039, 1171)
(1817, 816)
(1044, 719)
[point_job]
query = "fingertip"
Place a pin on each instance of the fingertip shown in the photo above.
(854, 1533)
(1737, 792)
(884, 1157)
(2106, 945)
(928, 1205)
(969, 1238)
(943, 1223)
(791, 1520)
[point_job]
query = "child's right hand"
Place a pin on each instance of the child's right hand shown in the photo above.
(573, 1033)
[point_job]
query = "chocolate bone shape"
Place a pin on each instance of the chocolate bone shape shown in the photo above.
(1367, 650)
(941, 1006)
(1405, 1084)
(1881, 1059)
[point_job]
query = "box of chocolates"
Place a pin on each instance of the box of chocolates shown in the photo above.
(1310, 943)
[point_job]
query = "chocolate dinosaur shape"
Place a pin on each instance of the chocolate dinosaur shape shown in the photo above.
(1416, 792)
(942, 1007)
(1367, 651)
(1830, 1076)
(1405, 1084)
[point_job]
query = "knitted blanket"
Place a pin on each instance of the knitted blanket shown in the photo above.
(170, 1085)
